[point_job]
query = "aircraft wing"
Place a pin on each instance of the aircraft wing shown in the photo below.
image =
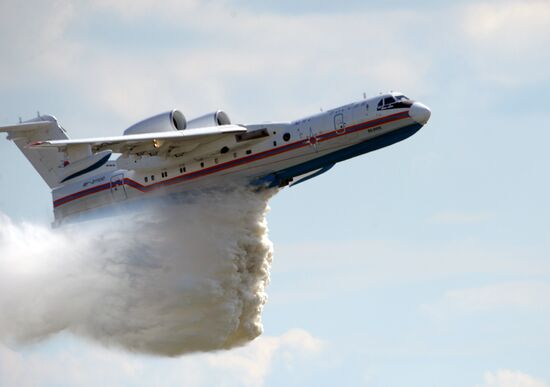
(147, 143)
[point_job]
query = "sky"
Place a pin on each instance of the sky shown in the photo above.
(423, 264)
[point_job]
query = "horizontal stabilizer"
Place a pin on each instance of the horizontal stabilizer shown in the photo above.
(13, 130)
(47, 162)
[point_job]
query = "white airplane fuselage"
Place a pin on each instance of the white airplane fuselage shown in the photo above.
(285, 152)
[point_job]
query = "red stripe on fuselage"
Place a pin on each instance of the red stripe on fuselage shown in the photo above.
(234, 163)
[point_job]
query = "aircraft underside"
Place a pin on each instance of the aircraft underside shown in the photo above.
(284, 177)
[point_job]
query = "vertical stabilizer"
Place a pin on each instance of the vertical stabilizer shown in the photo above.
(47, 162)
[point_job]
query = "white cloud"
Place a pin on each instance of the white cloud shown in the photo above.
(68, 362)
(273, 66)
(507, 42)
(508, 378)
(33, 41)
(253, 364)
(258, 58)
(531, 295)
(513, 26)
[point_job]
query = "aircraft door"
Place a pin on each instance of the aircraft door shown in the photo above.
(117, 187)
(339, 124)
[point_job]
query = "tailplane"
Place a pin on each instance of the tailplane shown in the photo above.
(47, 162)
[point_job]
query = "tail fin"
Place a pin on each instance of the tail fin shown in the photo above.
(46, 161)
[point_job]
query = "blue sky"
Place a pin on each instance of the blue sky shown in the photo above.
(423, 264)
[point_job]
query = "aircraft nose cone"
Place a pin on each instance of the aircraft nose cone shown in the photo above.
(420, 113)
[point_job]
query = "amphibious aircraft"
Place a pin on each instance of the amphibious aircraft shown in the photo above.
(167, 154)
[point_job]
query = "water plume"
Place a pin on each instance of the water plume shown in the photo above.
(173, 277)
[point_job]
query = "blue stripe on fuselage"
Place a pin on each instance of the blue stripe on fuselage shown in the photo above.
(284, 176)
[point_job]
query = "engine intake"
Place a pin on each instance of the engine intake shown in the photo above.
(164, 122)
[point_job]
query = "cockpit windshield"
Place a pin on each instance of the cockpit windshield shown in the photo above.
(398, 101)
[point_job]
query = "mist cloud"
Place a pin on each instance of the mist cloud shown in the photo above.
(176, 277)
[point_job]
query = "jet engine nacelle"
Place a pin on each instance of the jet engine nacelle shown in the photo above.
(211, 119)
(164, 122)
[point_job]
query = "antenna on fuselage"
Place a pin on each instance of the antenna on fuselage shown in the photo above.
(364, 95)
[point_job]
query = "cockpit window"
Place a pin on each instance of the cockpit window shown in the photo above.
(389, 100)
(393, 102)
